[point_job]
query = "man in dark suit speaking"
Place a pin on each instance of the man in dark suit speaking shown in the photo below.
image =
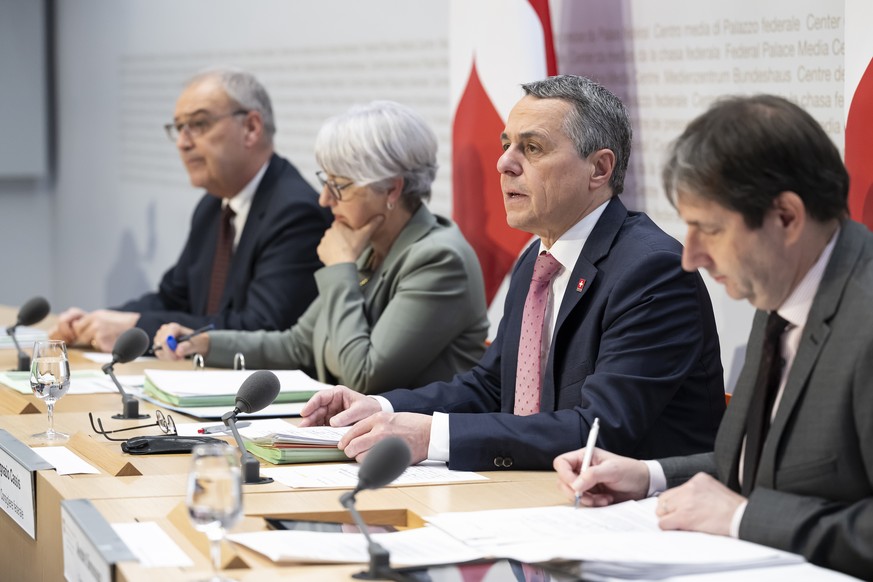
(600, 319)
(250, 254)
(763, 191)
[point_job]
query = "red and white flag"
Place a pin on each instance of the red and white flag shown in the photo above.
(495, 46)
(859, 108)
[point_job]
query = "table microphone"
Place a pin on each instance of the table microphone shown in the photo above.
(129, 346)
(255, 393)
(32, 312)
(382, 464)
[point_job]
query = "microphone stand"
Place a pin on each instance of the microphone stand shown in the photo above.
(251, 467)
(380, 563)
(23, 358)
(129, 404)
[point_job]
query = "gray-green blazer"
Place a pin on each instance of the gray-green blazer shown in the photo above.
(420, 317)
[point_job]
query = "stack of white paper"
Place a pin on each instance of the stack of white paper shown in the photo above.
(25, 335)
(414, 547)
(345, 476)
(621, 541)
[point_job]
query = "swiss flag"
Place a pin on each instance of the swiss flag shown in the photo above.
(859, 108)
(859, 149)
(496, 45)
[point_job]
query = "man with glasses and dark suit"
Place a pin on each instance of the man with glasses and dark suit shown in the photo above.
(251, 251)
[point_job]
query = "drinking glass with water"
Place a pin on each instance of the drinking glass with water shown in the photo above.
(50, 380)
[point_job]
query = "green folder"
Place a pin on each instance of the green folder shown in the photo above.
(219, 387)
(214, 399)
(282, 456)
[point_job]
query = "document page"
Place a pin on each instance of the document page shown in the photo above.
(81, 382)
(621, 540)
(281, 431)
(345, 476)
(65, 461)
(413, 547)
(654, 554)
(151, 545)
(515, 526)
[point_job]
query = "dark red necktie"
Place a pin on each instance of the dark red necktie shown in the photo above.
(761, 407)
(221, 260)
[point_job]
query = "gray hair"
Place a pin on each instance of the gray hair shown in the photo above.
(598, 119)
(373, 144)
(242, 88)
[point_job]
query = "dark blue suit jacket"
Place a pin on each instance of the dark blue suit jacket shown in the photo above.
(270, 283)
(636, 347)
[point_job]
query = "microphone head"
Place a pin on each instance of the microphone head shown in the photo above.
(257, 391)
(384, 463)
(33, 311)
(130, 345)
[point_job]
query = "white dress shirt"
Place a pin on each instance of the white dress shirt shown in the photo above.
(241, 203)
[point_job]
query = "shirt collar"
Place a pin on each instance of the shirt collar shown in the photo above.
(243, 198)
(795, 309)
(569, 246)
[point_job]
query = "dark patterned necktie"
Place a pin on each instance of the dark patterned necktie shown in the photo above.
(221, 260)
(761, 407)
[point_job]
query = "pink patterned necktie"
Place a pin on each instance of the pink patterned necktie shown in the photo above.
(529, 370)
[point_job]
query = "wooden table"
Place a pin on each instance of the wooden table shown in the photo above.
(152, 487)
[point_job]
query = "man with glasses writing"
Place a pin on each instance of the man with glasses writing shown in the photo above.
(251, 252)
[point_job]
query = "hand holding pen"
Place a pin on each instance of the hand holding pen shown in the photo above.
(170, 336)
(594, 477)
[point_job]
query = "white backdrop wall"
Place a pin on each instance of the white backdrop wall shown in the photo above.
(117, 213)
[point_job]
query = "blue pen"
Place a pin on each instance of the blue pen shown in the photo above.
(173, 342)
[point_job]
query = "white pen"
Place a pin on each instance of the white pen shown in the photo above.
(589, 452)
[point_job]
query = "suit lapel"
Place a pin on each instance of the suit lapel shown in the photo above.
(511, 324)
(257, 212)
(421, 223)
(815, 333)
(597, 246)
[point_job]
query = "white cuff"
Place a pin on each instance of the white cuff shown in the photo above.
(738, 519)
(384, 403)
(657, 479)
(438, 448)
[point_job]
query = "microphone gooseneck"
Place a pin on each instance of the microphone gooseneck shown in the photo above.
(129, 346)
(383, 463)
(256, 392)
(33, 311)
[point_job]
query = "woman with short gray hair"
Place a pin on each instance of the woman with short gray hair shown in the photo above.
(401, 298)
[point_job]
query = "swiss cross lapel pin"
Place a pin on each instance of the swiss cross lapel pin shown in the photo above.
(580, 285)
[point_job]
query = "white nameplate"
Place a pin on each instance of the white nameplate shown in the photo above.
(91, 546)
(18, 466)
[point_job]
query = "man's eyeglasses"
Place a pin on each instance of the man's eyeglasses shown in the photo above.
(198, 124)
(164, 422)
(336, 190)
